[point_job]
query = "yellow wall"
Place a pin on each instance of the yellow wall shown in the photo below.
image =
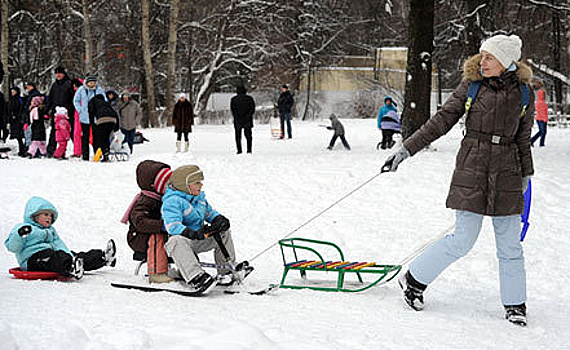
(388, 69)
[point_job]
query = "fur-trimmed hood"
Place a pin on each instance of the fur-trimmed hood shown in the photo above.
(471, 70)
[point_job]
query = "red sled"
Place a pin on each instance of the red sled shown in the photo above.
(36, 275)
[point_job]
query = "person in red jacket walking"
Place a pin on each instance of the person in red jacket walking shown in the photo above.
(541, 116)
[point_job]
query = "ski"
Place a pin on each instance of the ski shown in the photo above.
(178, 288)
(262, 291)
(147, 287)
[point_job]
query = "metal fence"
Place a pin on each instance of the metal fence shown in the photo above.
(559, 114)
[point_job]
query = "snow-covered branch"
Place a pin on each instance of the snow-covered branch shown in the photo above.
(550, 71)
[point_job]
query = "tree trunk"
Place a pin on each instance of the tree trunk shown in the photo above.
(473, 33)
(149, 79)
(556, 57)
(87, 38)
(418, 72)
(4, 49)
(171, 78)
(308, 90)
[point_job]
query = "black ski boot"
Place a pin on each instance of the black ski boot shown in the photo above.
(413, 291)
(77, 270)
(516, 314)
(202, 283)
(110, 252)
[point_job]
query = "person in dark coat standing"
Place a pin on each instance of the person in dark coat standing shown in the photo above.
(60, 95)
(102, 114)
(15, 112)
(130, 116)
(183, 119)
(243, 107)
(31, 92)
(493, 168)
(285, 105)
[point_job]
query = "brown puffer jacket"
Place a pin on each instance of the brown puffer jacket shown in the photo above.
(488, 177)
(145, 217)
(183, 116)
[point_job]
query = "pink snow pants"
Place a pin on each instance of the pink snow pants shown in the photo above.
(41, 145)
(60, 151)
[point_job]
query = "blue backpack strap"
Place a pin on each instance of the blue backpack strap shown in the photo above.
(472, 95)
(525, 94)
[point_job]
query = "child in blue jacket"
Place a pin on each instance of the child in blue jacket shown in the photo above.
(190, 222)
(38, 247)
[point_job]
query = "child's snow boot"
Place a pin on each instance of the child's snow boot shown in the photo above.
(110, 252)
(516, 314)
(160, 278)
(178, 146)
(186, 146)
(77, 268)
(202, 283)
(413, 291)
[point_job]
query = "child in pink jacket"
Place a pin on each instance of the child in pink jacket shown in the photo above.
(62, 132)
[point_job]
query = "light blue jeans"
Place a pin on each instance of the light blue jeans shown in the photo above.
(437, 257)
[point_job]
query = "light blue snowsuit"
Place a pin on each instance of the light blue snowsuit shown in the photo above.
(40, 238)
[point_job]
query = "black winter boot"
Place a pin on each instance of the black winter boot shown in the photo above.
(516, 314)
(202, 283)
(413, 291)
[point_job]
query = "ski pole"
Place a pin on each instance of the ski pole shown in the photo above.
(222, 246)
(382, 170)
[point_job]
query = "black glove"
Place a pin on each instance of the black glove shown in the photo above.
(25, 230)
(329, 127)
(191, 234)
(220, 224)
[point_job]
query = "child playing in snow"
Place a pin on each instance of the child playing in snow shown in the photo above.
(390, 124)
(38, 126)
(338, 132)
(184, 210)
(62, 132)
(146, 228)
(38, 247)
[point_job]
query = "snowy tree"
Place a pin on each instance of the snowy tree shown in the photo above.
(172, 40)
(4, 31)
(149, 72)
(228, 37)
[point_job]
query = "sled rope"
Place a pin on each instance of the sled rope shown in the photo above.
(319, 214)
(420, 249)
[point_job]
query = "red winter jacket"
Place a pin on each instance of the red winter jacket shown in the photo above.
(541, 107)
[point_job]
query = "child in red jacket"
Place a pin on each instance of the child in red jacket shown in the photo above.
(62, 132)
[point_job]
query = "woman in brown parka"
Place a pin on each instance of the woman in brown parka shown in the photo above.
(183, 119)
(493, 167)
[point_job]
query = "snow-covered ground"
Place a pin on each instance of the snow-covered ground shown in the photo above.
(267, 195)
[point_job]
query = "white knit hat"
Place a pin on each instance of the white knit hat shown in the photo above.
(180, 95)
(507, 49)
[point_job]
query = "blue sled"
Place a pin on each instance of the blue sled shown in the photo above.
(526, 213)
